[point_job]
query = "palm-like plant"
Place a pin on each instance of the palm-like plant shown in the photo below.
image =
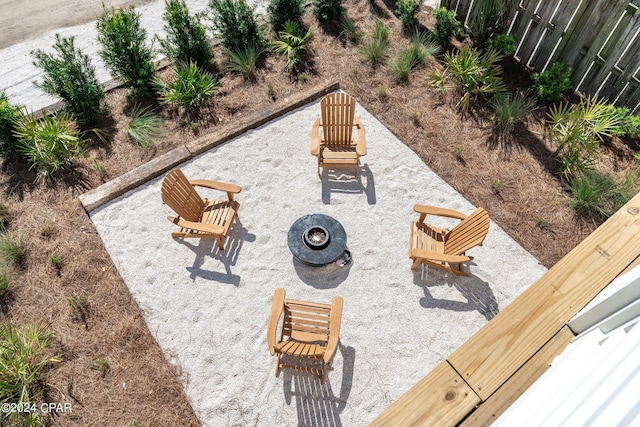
(293, 42)
(191, 88)
(577, 130)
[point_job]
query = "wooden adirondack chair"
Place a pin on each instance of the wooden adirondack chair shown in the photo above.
(446, 249)
(198, 217)
(310, 332)
(336, 147)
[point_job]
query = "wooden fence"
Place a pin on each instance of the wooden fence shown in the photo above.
(599, 39)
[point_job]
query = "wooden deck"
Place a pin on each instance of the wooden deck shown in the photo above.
(476, 383)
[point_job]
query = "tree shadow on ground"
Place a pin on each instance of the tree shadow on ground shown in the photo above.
(476, 291)
(316, 403)
(207, 248)
(334, 181)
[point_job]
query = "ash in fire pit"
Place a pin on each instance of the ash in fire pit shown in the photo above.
(317, 239)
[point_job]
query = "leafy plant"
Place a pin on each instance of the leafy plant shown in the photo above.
(350, 30)
(496, 184)
(490, 17)
(145, 126)
(510, 110)
(98, 166)
(55, 261)
(236, 24)
(101, 365)
(50, 143)
(25, 362)
(124, 50)
(457, 152)
(376, 45)
(549, 85)
(576, 130)
(71, 76)
(473, 75)
(293, 42)
(447, 26)
(409, 58)
(186, 36)
(415, 118)
(595, 194)
(407, 12)
(281, 11)
(328, 10)
(13, 249)
(9, 115)
(504, 43)
(190, 88)
(243, 61)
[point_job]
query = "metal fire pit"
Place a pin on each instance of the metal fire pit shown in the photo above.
(317, 239)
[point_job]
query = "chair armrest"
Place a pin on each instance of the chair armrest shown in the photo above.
(335, 318)
(315, 139)
(198, 226)
(230, 189)
(425, 210)
(361, 142)
(437, 256)
(276, 310)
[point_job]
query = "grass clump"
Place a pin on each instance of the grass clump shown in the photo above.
(376, 45)
(13, 249)
(186, 36)
(597, 196)
(411, 57)
(510, 110)
(70, 75)
(145, 127)
(350, 31)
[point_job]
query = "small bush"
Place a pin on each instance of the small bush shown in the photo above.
(13, 249)
(145, 127)
(243, 61)
(504, 43)
(236, 24)
(124, 50)
(186, 36)
(376, 45)
(447, 26)
(9, 115)
(49, 144)
(407, 12)
(190, 88)
(510, 110)
(549, 85)
(24, 361)
(328, 10)
(293, 42)
(281, 11)
(71, 76)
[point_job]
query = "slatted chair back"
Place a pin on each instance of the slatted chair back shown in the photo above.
(470, 232)
(180, 196)
(306, 321)
(338, 115)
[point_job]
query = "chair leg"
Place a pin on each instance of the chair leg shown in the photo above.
(220, 243)
(278, 366)
(416, 263)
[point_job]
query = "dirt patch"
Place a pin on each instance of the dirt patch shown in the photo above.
(113, 371)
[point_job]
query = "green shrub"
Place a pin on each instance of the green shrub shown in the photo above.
(145, 127)
(596, 194)
(236, 24)
(549, 85)
(447, 26)
(49, 144)
(25, 362)
(124, 50)
(186, 36)
(190, 88)
(71, 76)
(407, 11)
(9, 116)
(631, 126)
(293, 42)
(243, 61)
(281, 11)
(504, 43)
(576, 130)
(328, 10)
(375, 47)
(510, 110)
(474, 75)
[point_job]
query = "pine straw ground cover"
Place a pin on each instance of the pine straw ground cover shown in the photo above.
(113, 372)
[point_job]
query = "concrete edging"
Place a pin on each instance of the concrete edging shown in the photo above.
(108, 191)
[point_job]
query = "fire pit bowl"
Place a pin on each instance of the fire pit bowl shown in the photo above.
(317, 239)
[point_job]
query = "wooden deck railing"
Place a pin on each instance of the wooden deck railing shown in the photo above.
(486, 374)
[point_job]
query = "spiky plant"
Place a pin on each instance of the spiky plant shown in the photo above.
(293, 42)
(145, 126)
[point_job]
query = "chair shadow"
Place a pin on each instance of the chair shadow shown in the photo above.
(324, 277)
(337, 181)
(228, 257)
(477, 292)
(316, 403)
